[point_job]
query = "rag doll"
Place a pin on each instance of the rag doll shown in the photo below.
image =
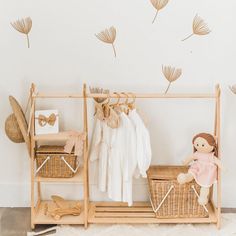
(204, 166)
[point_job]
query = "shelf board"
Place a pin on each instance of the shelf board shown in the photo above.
(78, 178)
(61, 136)
(139, 213)
(40, 218)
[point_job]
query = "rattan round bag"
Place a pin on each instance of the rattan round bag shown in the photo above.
(12, 129)
(16, 125)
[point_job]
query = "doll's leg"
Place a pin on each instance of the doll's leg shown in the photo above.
(184, 178)
(203, 198)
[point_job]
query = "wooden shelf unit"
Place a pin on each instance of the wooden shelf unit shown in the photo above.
(113, 212)
(37, 211)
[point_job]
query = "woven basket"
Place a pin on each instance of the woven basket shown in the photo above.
(53, 162)
(169, 198)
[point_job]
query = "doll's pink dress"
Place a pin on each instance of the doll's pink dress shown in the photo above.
(203, 169)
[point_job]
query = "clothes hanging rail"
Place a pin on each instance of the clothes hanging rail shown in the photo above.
(138, 95)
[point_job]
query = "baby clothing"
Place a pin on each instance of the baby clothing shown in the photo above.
(122, 161)
(120, 152)
(144, 152)
(204, 170)
(100, 150)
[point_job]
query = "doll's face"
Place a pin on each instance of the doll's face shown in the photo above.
(202, 145)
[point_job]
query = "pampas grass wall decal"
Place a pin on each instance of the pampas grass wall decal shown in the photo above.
(108, 36)
(158, 4)
(171, 74)
(23, 26)
(199, 27)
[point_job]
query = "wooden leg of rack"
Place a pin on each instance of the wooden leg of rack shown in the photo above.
(32, 193)
(219, 202)
(219, 156)
(32, 155)
(86, 180)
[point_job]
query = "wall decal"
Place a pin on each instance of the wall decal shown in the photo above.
(199, 27)
(158, 4)
(23, 26)
(171, 74)
(108, 36)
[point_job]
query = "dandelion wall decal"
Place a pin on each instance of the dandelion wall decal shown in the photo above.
(158, 4)
(199, 27)
(171, 74)
(23, 26)
(108, 36)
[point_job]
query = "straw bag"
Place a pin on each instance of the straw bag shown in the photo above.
(12, 129)
(16, 125)
(169, 199)
(53, 162)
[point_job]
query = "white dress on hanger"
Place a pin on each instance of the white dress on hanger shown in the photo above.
(96, 139)
(100, 151)
(122, 161)
(144, 152)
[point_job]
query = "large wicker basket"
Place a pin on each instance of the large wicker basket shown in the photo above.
(170, 199)
(53, 162)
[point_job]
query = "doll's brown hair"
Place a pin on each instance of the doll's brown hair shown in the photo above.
(210, 139)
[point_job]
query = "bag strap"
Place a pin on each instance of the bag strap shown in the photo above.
(162, 201)
(45, 161)
(73, 170)
(63, 159)
(195, 191)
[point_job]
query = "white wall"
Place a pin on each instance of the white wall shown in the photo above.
(65, 53)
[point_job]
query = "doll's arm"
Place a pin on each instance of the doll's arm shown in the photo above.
(188, 160)
(218, 162)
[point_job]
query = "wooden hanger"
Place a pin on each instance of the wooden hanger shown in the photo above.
(131, 104)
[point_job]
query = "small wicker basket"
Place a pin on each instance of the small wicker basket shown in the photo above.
(53, 162)
(170, 199)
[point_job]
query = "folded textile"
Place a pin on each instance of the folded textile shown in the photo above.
(76, 141)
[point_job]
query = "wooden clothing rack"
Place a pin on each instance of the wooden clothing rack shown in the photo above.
(111, 212)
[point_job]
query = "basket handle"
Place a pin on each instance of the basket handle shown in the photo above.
(72, 169)
(195, 191)
(47, 159)
(162, 201)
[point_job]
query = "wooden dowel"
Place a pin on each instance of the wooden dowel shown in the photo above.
(154, 95)
(138, 95)
(57, 95)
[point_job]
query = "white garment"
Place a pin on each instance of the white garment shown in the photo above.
(119, 152)
(100, 150)
(96, 140)
(144, 152)
(122, 161)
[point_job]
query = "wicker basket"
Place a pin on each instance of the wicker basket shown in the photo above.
(53, 162)
(170, 199)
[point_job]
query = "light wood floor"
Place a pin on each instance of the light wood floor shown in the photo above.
(16, 221)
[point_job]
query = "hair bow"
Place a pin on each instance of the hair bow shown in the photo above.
(43, 120)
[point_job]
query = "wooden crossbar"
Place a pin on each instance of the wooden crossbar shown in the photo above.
(138, 95)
